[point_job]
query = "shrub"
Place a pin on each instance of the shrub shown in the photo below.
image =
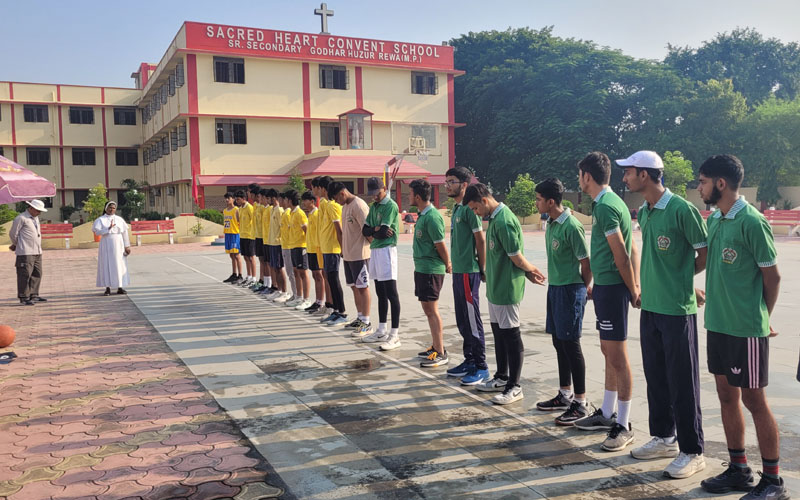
(67, 211)
(567, 204)
(152, 216)
(169, 215)
(214, 216)
(96, 202)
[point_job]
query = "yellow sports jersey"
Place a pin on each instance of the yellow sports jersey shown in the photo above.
(246, 229)
(258, 212)
(312, 236)
(297, 219)
(328, 242)
(285, 228)
(266, 214)
(275, 226)
(230, 221)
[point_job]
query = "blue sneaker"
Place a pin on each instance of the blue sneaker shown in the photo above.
(329, 317)
(338, 320)
(475, 377)
(461, 370)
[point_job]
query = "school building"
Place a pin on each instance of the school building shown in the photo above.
(228, 105)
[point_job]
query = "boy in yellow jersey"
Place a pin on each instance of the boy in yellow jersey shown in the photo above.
(322, 203)
(330, 226)
(298, 225)
(286, 250)
(258, 212)
(265, 219)
(247, 237)
(309, 205)
(230, 220)
(274, 244)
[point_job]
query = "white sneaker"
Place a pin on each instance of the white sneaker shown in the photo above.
(656, 448)
(392, 342)
(378, 336)
(324, 312)
(685, 465)
(294, 301)
(507, 397)
(274, 295)
(362, 330)
(493, 385)
(283, 298)
(303, 305)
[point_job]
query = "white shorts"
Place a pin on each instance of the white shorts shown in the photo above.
(506, 315)
(383, 263)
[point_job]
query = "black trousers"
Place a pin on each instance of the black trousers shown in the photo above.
(29, 275)
(509, 353)
(671, 368)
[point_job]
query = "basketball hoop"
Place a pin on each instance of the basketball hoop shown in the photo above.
(422, 156)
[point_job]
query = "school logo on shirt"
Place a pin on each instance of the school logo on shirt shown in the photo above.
(418, 234)
(555, 244)
(491, 244)
(729, 255)
(663, 243)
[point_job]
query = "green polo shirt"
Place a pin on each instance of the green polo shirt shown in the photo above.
(463, 224)
(505, 282)
(384, 213)
(565, 242)
(609, 215)
(428, 231)
(740, 243)
(672, 230)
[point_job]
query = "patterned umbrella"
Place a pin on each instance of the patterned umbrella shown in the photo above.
(20, 184)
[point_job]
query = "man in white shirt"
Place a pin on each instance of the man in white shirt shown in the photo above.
(26, 242)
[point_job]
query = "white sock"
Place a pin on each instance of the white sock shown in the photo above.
(670, 439)
(365, 319)
(567, 393)
(395, 331)
(268, 281)
(582, 401)
(624, 413)
(609, 403)
(382, 327)
(320, 303)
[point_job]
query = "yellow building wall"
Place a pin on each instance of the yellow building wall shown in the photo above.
(73, 95)
(82, 134)
(5, 121)
(387, 93)
(272, 147)
(330, 103)
(120, 97)
(271, 88)
(116, 174)
(83, 176)
(36, 134)
(5, 91)
(50, 172)
(122, 135)
(35, 92)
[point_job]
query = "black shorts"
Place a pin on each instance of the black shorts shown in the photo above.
(356, 273)
(313, 262)
(427, 286)
(299, 258)
(611, 304)
(565, 306)
(275, 256)
(330, 262)
(743, 360)
(247, 247)
(260, 249)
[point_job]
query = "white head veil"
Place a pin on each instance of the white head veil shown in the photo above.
(108, 205)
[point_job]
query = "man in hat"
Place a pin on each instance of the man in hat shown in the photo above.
(26, 242)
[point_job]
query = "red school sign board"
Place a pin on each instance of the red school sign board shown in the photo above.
(255, 42)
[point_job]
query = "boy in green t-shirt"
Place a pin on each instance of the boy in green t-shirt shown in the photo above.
(569, 275)
(742, 285)
(673, 251)
(506, 271)
(615, 271)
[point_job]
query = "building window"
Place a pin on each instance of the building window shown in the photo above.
(78, 197)
(179, 75)
(83, 156)
(1, 151)
(165, 145)
(333, 77)
(38, 156)
(171, 83)
(173, 139)
(157, 101)
(81, 115)
(350, 185)
(424, 83)
(146, 156)
(329, 133)
(127, 157)
(170, 190)
(35, 113)
(231, 132)
(163, 91)
(228, 70)
(124, 116)
(145, 115)
(182, 135)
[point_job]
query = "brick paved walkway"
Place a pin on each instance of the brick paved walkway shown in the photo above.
(97, 406)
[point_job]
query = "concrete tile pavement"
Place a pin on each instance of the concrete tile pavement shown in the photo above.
(97, 406)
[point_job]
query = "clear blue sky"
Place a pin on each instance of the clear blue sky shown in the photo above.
(92, 42)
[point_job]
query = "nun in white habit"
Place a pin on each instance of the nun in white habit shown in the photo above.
(115, 245)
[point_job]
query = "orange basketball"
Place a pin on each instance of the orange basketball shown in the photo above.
(7, 336)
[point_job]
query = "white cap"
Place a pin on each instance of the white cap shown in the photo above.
(37, 204)
(642, 159)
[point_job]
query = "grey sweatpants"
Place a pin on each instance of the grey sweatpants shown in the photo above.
(29, 275)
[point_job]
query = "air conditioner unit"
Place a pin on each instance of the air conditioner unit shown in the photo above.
(415, 143)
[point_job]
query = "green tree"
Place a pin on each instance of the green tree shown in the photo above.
(94, 204)
(134, 199)
(521, 198)
(7, 214)
(296, 182)
(677, 172)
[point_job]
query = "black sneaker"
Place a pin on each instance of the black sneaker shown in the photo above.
(560, 402)
(732, 479)
(238, 281)
(230, 279)
(312, 308)
(576, 411)
(424, 354)
(772, 489)
(435, 359)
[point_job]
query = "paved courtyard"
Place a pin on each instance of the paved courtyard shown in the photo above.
(191, 388)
